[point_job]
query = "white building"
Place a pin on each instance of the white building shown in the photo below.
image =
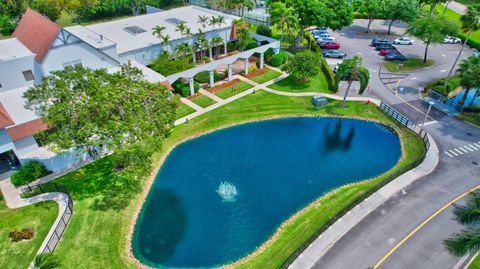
(40, 47)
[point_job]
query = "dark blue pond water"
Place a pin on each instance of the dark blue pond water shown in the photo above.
(276, 168)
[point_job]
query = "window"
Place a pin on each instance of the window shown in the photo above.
(77, 63)
(174, 21)
(134, 30)
(28, 75)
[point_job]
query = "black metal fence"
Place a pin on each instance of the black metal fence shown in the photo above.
(32, 190)
(402, 120)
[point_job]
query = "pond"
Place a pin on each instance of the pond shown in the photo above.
(219, 196)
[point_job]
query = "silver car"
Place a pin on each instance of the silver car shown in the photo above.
(334, 54)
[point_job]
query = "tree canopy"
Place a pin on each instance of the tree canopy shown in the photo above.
(401, 10)
(432, 30)
(372, 9)
(469, 73)
(86, 109)
(304, 65)
(352, 70)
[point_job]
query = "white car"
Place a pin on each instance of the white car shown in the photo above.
(403, 41)
(451, 40)
(325, 39)
(476, 53)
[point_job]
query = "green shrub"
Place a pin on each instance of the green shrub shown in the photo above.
(473, 109)
(231, 47)
(264, 30)
(277, 60)
(329, 76)
(439, 85)
(251, 45)
(166, 66)
(284, 56)
(29, 172)
(204, 77)
(7, 25)
(46, 261)
(183, 88)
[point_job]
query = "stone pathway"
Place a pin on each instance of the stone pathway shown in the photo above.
(457, 7)
(210, 95)
(191, 104)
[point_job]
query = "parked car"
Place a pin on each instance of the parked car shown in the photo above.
(476, 53)
(335, 68)
(325, 39)
(334, 54)
(378, 41)
(451, 40)
(385, 46)
(384, 52)
(318, 31)
(329, 45)
(393, 57)
(403, 41)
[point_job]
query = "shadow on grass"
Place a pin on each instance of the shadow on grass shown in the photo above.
(98, 181)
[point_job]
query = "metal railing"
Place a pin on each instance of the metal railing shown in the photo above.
(405, 122)
(32, 190)
(444, 104)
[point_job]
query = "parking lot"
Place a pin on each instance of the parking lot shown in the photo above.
(354, 41)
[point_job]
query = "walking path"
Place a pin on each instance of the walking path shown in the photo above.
(457, 7)
(191, 104)
(211, 95)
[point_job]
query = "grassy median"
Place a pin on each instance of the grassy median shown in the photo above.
(105, 203)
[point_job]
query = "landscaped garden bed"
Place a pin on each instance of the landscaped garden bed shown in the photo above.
(408, 65)
(230, 88)
(104, 198)
(202, 100)
(183, 110)
(315, 84)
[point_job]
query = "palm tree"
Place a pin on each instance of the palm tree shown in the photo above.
(181, 27)
(166, 42)
(183, 49)
(352, 70)
(243, 38)
(281, 17)
(467, 241)
(45, 261)
(203, 21)
(215, 42)
(220, 20)
(470, 23)
(249, 4)
(469, 73)
(188, 33)
(158, 31)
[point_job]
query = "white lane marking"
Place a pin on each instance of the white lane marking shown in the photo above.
(477, 144)
(473, 146)
(461, 153)
(453, 152)
(430, 122)
(463, 149)
(448, 154)
(444, 56)
(414, 78)
(465, 146)
(443, 70)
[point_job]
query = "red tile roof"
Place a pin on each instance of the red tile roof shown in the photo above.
(37, 33)
(5, 119)
(26, 129)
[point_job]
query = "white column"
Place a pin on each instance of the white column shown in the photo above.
(229, 72)
(246, 66)
(210, 54)
(192, 87)
(212, 79)
(261, 60)
(225, 47)
(194, 56)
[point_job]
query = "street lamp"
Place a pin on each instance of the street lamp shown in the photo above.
(428, 112)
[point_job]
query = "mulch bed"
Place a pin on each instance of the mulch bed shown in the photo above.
(257, 72)
(197, 94)
(223, 85)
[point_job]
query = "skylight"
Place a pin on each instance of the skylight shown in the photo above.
(134, 30)
(175, 21)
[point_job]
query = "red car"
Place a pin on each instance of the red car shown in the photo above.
(384, 52)
(330, 45)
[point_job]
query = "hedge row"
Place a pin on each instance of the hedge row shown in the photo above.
(183, 88)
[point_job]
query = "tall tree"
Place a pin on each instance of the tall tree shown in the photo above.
(470, 23)
(87, 108)
(248, 4)
(215, 42)
(166, 42)
(468, 240)
(372, 9)
(401, 10)
(281, 16)
(303, 66)
(469, 73)
(352, 70)
(432, 4)
(432, 30)
(81, 7)
(136, 6)
(203, 21)
(158, 31)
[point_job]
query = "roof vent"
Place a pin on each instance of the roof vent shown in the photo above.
(175, 21)
(134, 30)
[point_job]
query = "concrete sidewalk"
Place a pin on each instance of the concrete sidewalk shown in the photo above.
(327, 239)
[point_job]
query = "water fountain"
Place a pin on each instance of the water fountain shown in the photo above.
(227, 191)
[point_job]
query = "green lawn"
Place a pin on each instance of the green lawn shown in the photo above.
(105, 202)
(183, 110)
(316, 84)
(203, 101)
(454, 16)
(471, 117)
(267, 76)
(408, 65)
(239, 87)
(475, 264)
(39, 216)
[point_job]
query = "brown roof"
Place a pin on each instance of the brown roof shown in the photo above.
(5, 119)
(26, 129)
(37, 33)
(167, 84)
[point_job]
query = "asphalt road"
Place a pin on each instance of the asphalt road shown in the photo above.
(368, 242)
